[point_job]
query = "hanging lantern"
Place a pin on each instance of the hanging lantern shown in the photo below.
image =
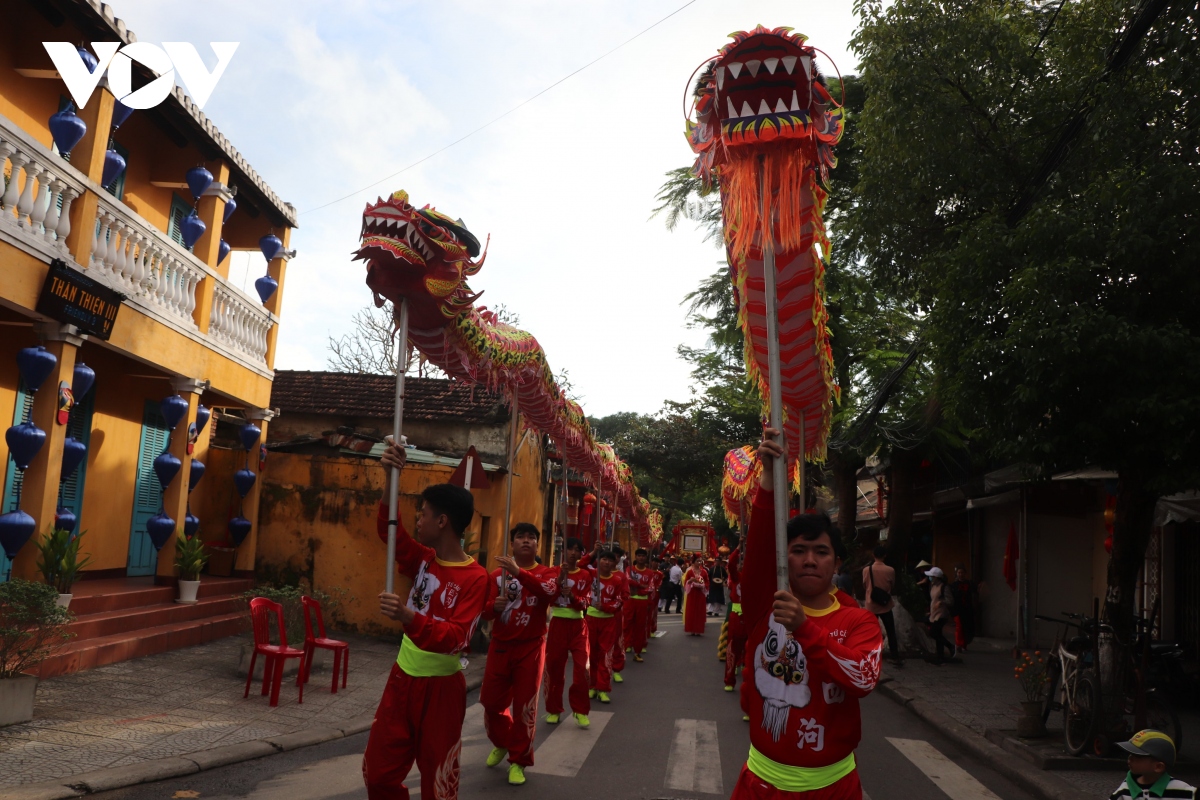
(161, 528)
(114, 165)
(223, 249)
(65, 520)
(249, 435)
(198, 180)
(120, 113)
(15, 529)
(191, 524)
(192, 228)
(35, 364)
(89, 59)
(266, 286)
(244, 480)
(270, 245)
(230, 207)
(239, 529)
(24, 442)
(195, 474)
(82, 380)
(202, 415)
(74, 454)
(166, 467)
(67, 129)
(173, 408)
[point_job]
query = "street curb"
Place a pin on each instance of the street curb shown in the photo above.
(1020, 772)
(105, 780)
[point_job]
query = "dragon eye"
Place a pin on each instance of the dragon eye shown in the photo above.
(777, 669)
(771, 644)
(797, 676)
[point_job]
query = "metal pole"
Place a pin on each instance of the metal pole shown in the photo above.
(513, 427)
(775, 385)
(397, 422)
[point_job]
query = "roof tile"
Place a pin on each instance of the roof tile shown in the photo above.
(358, 395)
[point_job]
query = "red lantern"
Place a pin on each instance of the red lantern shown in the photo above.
(586, 508)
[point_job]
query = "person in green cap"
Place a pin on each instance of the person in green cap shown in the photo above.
(1151, 754)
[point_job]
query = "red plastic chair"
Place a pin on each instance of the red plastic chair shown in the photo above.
(341, 650)
(276, 654)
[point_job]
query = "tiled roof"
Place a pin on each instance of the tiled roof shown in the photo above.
(356, 395)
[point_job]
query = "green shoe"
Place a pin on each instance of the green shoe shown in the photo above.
(729, 688)
(628, 649)
(603, 697)
(582, 720)
(496, 756)
(745, 717)
(552, 719)
(516, 774)
(591, 694)
(617, 678)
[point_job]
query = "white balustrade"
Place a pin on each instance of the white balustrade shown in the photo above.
(39, 189)
(238, 322)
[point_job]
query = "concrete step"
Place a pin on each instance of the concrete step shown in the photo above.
(108, 623)
(115, 594)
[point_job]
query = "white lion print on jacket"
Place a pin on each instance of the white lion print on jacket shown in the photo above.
(781, 676)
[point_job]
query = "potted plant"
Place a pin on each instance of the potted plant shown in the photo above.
(32, 627)
(1030, 671)
(59, 561)
(189, 560)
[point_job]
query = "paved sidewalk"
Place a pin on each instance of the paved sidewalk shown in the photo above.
(178, 703)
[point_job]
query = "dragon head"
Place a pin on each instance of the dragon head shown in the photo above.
(421, 255)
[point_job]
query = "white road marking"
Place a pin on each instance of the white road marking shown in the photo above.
(565, 750)
(475, 745)
(952, 779)
(695, 761)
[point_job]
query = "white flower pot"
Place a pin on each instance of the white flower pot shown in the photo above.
(188, 591)
(64, 600)
(16, 699)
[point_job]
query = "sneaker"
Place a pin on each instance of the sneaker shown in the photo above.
(602, 697)
(552, 719)
(628, 649)
(638, 657)
(516, 774)
(745, 717)
(496, 756)
(582, 720)
(729, 688)
(591, 694)
(617, 678)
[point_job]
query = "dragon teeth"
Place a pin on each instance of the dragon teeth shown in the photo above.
(763, 108)
(795, 101)
(735, 69)
(733, 114)
(747, 111)
(771, 64)
(720, 77)
(753, 67)
(780, 106)
(789, 63)
(806, 63)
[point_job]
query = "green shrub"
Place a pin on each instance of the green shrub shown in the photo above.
(190, 557)
(32, 626)
(58, 559)
(293, 610)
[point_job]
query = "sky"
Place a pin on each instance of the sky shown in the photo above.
(327, 98)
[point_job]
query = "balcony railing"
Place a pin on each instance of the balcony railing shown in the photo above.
(158, 276)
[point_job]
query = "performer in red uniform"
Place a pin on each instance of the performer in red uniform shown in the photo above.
(519, 593)
(568, 635)
(813, 653)
(735, 651)
(609, 590)
(619, 643)
(695, 598)
(637, 614)
(655, 595)
(421, 714)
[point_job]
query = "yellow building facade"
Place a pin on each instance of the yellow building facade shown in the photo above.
(183, 328)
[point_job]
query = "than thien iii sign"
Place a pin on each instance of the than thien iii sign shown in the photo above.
(75, 299)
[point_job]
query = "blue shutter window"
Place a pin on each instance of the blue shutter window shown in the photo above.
(79, 427)
(147, 494)
(179, 210)
(13, 477)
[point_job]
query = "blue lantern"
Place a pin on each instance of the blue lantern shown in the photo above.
(15, 529)
(173, 408)
(266, 286)
(67, 129)
(191, 524)
(192, 228)
(65, 519)
(195, 474)
(166, 467)
(24, 442)
(202, 415)
(249, 435)
(198, 180)
(230, 207)
(270, 246)
(89, 59)
(223, 249)
(74, 453)
(82, 380)
(36, 364)
(244, 480)
(120, 113)
(161, 528)
(239, 529)
(114, 165)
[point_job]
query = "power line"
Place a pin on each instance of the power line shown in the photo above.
(493, 121)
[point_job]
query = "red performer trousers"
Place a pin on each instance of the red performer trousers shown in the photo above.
(735, 651)
(567, 637)
(418, 719)
(618, 647)
(751, 787)
(511, 679)
(638, 629)
(654, 612)
(602, 636)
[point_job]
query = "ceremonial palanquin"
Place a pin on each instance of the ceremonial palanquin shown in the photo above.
(765, 116)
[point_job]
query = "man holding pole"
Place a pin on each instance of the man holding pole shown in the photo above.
(568, 635)
(814, 654)
(637, 609)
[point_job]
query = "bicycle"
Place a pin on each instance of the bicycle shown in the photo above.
(1070, 673)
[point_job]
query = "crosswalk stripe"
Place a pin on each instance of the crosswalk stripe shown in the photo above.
(695, 761)
(952, 779)
(475, 744)
(565, 750)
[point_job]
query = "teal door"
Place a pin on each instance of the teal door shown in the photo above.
(147, 494)
(13, 476)
(70, 491)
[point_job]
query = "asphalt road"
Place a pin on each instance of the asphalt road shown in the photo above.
(671, 731)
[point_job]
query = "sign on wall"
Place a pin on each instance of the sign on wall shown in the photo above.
(73, 298)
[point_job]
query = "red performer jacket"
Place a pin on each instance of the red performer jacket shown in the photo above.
(609, 594)
(641, 581)
(803, 701)
(529, 594)
(579, 583)
(735, 576)
(448, 597)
